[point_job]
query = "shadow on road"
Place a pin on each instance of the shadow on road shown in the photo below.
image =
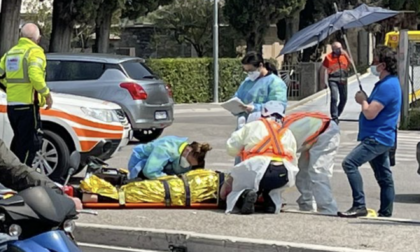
(407, 198)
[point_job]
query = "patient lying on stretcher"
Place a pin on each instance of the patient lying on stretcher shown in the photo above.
(169, 155)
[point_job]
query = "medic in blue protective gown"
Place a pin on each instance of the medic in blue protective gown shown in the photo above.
(169, 155)
(262, 85)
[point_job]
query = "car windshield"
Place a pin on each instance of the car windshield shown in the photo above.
(137, 70)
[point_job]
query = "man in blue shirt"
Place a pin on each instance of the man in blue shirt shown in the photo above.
(377, 134)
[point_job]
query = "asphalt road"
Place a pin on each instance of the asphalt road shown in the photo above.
(216, 126)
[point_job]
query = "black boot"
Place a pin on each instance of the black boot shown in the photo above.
(248, 199)
(354, 212)
(269, 206)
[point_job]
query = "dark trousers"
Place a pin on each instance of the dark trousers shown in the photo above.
(274, 177)
(26, 124)
(338, 91)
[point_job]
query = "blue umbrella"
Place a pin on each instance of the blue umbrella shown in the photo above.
(313, 34)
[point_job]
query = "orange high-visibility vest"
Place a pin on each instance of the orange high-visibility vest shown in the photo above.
(271, 145)
(335, 64)
(291, 118)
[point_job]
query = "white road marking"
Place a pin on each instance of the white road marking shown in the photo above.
(89, 245)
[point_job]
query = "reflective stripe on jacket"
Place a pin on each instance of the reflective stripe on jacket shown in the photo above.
(25, 66)
(307, 131)
(271, 145)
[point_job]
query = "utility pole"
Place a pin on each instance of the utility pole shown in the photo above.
(403, 67)
(216, 51)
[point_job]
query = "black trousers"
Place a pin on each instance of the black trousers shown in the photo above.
(26, 124)
(338, 91)
(274, 177)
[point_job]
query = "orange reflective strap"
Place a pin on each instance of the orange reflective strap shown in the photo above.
(273, 137)
(314, 137)
(291, 118)
(271, 145)
(299, 115)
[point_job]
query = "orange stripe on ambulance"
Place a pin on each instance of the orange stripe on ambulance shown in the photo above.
(89, 126)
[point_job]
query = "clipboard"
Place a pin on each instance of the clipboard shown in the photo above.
(233, 105)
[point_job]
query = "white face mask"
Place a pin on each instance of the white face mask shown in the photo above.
(254, 75)
(374, 70)
(184, 163)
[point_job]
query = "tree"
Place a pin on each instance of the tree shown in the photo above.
(39, 13)
(288, 26)
(400, 4)
(131, 9)
(137, 8)
(67, 14)
(402, 21)
(315, 11)
(252, 18)
(103, 23)
(189, 21)
(9, 23)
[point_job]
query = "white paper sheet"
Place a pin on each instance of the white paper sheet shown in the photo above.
(233, 105)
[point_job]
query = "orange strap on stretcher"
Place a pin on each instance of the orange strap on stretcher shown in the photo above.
(271, 145)
(288, 120)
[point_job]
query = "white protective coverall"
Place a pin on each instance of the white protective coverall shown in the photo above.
(318, 138)
(248, 173)
(317, 146)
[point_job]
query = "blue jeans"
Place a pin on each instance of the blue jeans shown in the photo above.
(338, 92)
(369, 150)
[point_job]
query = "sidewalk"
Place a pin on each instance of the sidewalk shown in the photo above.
(286, 227)
(215, 107)
(209, 107)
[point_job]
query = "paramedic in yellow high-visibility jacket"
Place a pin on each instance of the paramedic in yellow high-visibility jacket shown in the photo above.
(24, 81)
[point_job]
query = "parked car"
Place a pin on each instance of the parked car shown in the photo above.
(127, 81)
(89, 126)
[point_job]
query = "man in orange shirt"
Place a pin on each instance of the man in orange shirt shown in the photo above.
(336, 64)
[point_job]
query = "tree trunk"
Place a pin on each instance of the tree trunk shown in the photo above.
(292, 27)
(9, 23)
(103, 29)
(250, 42)
(62, 30)
(199, 51)
(254, 42)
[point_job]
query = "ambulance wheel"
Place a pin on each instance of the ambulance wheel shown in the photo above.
(53, 157)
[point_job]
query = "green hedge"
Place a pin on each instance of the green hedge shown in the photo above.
(192, 78)
(413, 122)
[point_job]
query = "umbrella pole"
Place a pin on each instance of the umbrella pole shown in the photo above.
(351, 57)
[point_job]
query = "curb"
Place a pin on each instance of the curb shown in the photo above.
(160, 239)
(315, 96)
(185, 111)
